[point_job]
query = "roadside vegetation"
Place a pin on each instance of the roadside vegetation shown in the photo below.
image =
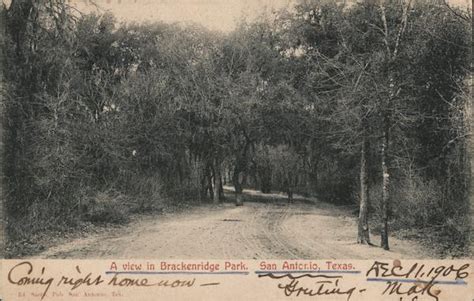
(362, 104)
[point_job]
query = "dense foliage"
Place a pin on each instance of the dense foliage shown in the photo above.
(324, 100)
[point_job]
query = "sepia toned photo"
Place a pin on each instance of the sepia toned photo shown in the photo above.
(237, 129)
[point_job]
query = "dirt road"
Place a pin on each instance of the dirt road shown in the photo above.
(268, 229)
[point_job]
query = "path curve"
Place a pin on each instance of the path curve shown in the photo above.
(268, 229)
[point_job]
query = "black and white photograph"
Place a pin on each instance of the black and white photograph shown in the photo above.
(236, 129)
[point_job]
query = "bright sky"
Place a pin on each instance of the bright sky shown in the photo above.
(213, 14)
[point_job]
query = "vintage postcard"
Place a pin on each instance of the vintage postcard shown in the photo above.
(236, 150)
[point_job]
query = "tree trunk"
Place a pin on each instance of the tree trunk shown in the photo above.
(209, 184)
(363, 227)
(238, 187)
(314, 175)
(290, 195)
(221, 190)
(288, 184)
(470, 156)
(3, 232)
(217, 182)
(224, 176)
(392, 56)
(385, 166)
(204, 184)
(385, 189)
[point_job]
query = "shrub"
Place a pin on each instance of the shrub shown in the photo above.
(417, 210)
(107, 208)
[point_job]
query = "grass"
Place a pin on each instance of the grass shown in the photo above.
(35, 233)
